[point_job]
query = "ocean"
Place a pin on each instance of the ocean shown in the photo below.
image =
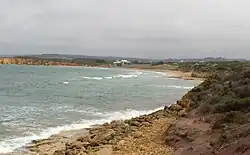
(37, 101)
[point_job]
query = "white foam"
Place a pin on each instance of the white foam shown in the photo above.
(181, 87)
(161, 73)
(65, 82)
(10, 145)
(125, 76)
(172, 78)
(128, 75)
(108, 77)
(93, 78)
(128, 113)
(97, 78)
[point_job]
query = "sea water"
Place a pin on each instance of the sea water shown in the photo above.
(37, 102)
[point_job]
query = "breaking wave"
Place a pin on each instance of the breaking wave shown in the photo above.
(181, 87)
(12, 144)
(129, 75)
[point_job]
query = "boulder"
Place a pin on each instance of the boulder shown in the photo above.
(84, 139)
(102, 137)
(134, 123)
(138, 134)
(171, 139)
(59, 152)
(121, 142)
(76, 145)
(145, 124)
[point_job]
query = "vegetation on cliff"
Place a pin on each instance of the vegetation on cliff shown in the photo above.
(198, 69)
(24, 60)
(212, 118)
(218, 116)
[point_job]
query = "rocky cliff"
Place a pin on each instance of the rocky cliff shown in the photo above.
(29, 61)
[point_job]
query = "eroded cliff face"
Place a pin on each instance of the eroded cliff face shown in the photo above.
(26, 61)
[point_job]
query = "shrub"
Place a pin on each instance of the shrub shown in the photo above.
(204, 108)
(234, 105)
(242, 91)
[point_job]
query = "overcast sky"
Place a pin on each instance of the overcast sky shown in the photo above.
(135, 28)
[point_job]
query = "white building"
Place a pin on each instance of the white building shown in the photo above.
(121, 62)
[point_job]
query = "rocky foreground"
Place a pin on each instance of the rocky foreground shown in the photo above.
(140, 135)
(211, 119)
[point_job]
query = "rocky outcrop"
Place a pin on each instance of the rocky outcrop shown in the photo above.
(26, 60)
(34, 61)
(140, 135)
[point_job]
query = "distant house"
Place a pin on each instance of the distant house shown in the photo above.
(121, 62)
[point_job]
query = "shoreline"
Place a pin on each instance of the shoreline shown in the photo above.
(118, 137)
(171, 73)
(108, 138)
(212, 118)
(59, 140)
(68, 135)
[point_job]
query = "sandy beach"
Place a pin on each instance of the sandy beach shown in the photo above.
(173, 73)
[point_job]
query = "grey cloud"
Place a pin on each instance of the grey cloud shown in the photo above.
(143, 28)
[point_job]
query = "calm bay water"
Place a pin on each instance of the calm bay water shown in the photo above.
(37, 101)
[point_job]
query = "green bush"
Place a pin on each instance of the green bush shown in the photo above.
(234, 105)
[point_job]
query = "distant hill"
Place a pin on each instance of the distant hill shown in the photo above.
(70, 57)
(114, 58)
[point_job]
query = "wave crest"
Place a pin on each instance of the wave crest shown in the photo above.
(181, 87)
(10, 145)
(129, 75)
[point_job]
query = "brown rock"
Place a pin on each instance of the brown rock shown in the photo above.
(182, 113)
(102, 137)
(59, 152)
(175, 107)
(182, 132)
(138, 134)
(145, 124)
(121, 142)
(78, 145)
(171, 139)
(134, 123)
(84, 139)
(82, 153)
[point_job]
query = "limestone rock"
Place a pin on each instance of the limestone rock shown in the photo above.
(138, 134)
(102, 137)
(121, 142)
